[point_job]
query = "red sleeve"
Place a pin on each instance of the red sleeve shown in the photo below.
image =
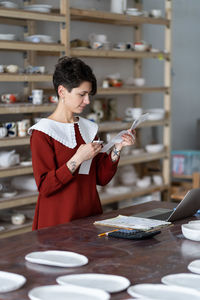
(106, 169)
(49, 179)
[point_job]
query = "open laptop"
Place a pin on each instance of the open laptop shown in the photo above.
(186, 208)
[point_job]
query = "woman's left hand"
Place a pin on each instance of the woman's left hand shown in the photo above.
(128, 139)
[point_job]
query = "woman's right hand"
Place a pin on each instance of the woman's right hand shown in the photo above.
(88, 151)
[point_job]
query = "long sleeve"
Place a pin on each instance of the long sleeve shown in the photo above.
(106, 169)
(49, 177)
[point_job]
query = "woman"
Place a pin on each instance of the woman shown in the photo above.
(62, 142)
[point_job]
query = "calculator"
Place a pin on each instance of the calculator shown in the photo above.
(133, 234)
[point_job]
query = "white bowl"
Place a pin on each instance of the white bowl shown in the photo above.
(144, 182)
(156, 13)
(191, 231)
(154, 148)
(155, 114)
(139, 81)
(140, 47)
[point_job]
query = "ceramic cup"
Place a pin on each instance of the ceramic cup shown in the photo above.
(23, 126)
(11, 129)
(12, 68)
(133, 112)
(3, 132)
(8, 98)
(37, 96)
(1, 68)
(18, 219)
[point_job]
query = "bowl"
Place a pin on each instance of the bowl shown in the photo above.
(18, 219)
(139, 81)
(154, 148)
(12, 68)
(156, 13)
(144, 182)
(155, 114)
(140, 47)
(191, 231)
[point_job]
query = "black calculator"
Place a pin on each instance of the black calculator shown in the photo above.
(133, 234)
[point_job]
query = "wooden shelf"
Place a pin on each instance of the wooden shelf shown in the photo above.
(28, 46)
(146, 157)
(15, 171)
(178, 177)
(116, 54)
(25, 77)
(12, 230)
(125, 90)
(111, 18)
(30, 15)
(136, 192)
(15, 141)
(119, 125)
(23, 198)
(25, 108)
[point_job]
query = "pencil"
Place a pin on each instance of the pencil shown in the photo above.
(106, 233)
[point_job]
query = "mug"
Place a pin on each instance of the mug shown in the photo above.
(135, 112)
(11, 129)
(118, 6)
(8, 98)
(3, 132)
(37, 96)
(23, 126)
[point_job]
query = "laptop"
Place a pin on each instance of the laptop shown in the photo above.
(186, 208)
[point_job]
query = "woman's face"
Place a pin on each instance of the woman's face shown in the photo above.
(78, 98)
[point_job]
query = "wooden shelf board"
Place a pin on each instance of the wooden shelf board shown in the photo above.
(125, 90)
(25, 77)
(28, 46)
(177, 177)
(12, 230)
(146, 157)
(25, 108)
(15, 141)
(136, 192)
(119, 125)
(116, 54)
(23, 198)
(30, 15)
(15, 171)
(112, 18)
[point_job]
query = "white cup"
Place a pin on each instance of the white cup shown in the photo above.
(23, 126)
(157, 179)
(37, 96)
(134, 113)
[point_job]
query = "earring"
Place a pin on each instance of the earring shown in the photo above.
(62, 100)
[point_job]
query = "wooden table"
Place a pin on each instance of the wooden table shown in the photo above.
(144, 261)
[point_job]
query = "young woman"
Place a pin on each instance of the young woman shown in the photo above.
(62, 142)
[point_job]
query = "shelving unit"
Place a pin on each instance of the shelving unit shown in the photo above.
(64, 16)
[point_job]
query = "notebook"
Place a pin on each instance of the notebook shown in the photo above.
(186, 208)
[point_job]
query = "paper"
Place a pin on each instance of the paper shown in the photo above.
(85, 166)
(132, 222)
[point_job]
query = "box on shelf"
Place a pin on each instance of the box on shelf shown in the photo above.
(185, 162)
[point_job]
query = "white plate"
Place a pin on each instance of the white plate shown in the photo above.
(57, 258)
(163, 292)
(8, 4)
(38, 7)
(194, 222)
(9, 194)
(194, 266)
(7, 36)
(183, 279)
(71, 292)
(26, 163)
(10, 281)
(108, 283)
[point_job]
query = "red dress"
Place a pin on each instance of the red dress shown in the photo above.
(64, 196)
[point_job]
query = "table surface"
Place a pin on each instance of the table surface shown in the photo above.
(142, 261)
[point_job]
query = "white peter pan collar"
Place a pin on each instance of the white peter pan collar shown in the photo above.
(65, 132)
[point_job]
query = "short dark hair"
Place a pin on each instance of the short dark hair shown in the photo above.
(71, 72)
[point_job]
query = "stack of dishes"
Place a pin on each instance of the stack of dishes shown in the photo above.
(8, 36)
(155, 114)
(191, 230)
(39, 38)
(8, 4)
(39, 7)
(133, 12)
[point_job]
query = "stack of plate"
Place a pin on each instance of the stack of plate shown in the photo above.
(39, 7)
(133, 12)
(7, 37)
(39, 38)
(8, 4)
(191, 230)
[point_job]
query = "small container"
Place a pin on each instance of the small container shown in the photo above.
(18, 219)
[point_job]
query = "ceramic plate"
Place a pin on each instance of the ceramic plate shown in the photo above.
(163, 292)
(194, 266)
(183, 279)
(26, 163)
(57, 258)
(38, 7)
(108, 283)
(58, 292)
(10, 281)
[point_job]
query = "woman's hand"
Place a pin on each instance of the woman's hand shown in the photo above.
(84, 152)
(128, 140)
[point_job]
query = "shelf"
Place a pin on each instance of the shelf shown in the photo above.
(117, 54)
(119, 125)
(125, 90)
(15, 171)
(111, 18)
(136, 192)
(30, 15)
(23, 198)
(27, 46)
(12, 230)
(15, 141)
(177, 177)
(25, 108)
(25, 77)
(146, 157)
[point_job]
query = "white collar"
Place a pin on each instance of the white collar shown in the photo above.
(65, 132)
